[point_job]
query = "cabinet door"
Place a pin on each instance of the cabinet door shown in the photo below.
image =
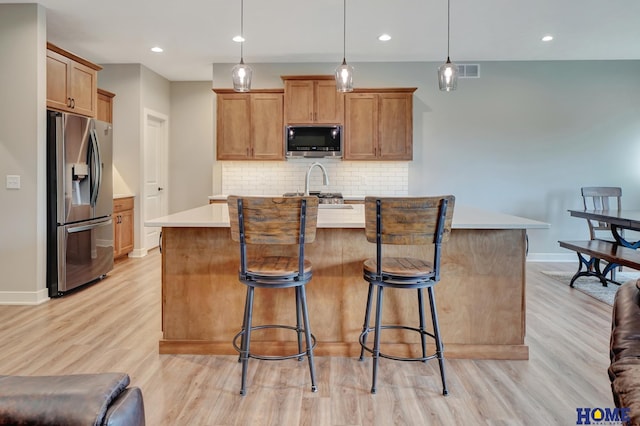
(267, 133)
(126, 231)
(71, 86)
(233, 126)
(299, 101)
(83, 89)
(395, 126)
(116, 234)
(105, 106)
(329, 103)
(57, 84)
(360, 128)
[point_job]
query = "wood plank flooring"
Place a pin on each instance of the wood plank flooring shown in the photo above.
(115, 326)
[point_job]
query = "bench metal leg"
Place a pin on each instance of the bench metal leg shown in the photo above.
(592, 269)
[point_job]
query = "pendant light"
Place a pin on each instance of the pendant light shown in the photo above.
(448, 72)
(241, 73)
(344, 72)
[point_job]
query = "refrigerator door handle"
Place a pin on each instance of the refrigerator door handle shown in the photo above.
(89, 226)
(97, 167)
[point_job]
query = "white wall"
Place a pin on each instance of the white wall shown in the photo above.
(191, 151)
(22, 152)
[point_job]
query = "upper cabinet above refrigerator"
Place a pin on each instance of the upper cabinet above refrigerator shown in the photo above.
(72, 82)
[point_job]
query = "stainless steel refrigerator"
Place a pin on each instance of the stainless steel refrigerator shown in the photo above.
(79, 201)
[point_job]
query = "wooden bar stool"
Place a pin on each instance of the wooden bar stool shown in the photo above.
(261, 222)
(410, 221)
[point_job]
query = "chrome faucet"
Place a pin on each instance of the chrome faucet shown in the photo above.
(324, 174)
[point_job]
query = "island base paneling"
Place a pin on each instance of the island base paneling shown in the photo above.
(480, 297)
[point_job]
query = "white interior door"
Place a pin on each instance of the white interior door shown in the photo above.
(155, 173)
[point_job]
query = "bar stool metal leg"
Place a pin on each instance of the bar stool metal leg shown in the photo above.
(307, 331)
(376, 339)
(246, 338)
(423, 337)
(365, 326)
(244, 318)
(436, 333)
(298, 328)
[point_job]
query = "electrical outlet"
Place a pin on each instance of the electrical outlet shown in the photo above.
(13, 182)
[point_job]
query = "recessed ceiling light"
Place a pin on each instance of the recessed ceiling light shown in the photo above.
(157, 49)
(238, 39)
(547, 38)
(384, 37)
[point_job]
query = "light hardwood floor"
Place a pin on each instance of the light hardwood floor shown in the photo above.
(115, 326)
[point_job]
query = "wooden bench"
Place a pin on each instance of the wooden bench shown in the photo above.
(597, 250)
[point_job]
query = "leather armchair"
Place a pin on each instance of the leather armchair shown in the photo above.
(624, 370)
(80, 399)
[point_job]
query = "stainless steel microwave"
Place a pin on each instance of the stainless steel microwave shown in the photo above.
(313, 141)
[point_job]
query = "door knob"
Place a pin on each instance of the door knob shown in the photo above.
(160, 188)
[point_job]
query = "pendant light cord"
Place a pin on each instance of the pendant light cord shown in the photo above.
(344, 31)
(242, 31)
(448, 26)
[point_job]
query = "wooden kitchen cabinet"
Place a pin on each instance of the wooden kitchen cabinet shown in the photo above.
(312, 100)
(379, 124)
(122, 226)
(249, 125)
(105, 106)
(72, 82)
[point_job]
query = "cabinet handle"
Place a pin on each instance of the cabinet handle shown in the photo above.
(73, 103)
(69, 102)
(310, 116)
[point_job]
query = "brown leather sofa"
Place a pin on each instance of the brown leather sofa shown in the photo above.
(72, 400)
(624, 370)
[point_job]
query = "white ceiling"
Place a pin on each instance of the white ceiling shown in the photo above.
(197, 33)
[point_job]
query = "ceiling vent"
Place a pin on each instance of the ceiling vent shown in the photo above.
(468, 70)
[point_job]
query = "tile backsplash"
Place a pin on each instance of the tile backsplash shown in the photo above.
(348, 177)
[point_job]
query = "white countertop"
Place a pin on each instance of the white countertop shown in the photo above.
(117, 196)
(223, 197)
(217, 216)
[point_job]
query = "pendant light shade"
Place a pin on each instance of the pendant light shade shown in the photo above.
(448, 72)
(344, 72)
(241, 73)
(448, 76)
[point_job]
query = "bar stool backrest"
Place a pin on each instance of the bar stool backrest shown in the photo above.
(273, 220)
(409, 221)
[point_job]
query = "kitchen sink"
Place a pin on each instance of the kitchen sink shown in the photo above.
(324, 198)
(335, 206)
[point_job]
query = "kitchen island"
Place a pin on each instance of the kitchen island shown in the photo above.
(480, 298)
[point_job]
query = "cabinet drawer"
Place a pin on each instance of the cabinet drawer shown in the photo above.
(121, 204)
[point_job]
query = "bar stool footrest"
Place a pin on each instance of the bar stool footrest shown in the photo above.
(274, 357)
(394, 357)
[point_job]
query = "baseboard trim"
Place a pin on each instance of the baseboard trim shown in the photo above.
(138, 253)
(24, 297)
(552, 257)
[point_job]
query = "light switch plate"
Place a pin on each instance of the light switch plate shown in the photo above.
(13, 181)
